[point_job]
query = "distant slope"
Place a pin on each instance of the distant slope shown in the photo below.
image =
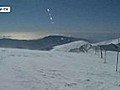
(110, 45)
(84, 46)
(76, 46)
(113, 41)
(45, 43)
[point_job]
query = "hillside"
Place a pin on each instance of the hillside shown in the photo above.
(76, 46)
(113, 41)
(45, 43)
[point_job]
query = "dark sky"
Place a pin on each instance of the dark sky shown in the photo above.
(99, 19)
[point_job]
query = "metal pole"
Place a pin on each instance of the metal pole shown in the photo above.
(95, 50)
(117, 61)
(105, 57)
(101, 52)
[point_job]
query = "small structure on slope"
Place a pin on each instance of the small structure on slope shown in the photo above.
(110, 47)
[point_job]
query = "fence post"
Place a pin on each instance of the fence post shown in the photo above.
(101, 52)
(105, 57)
(117, 61)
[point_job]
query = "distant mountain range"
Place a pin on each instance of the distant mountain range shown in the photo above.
(46, 43)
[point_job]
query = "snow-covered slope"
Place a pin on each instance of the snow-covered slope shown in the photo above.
(114, 41)
(71, 46)
(48, 70)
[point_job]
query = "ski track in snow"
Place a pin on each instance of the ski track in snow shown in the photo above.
(42, 70)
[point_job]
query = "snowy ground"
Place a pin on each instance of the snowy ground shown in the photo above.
(52, 70)
(67, 47)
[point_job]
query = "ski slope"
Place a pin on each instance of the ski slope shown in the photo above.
(48, 70)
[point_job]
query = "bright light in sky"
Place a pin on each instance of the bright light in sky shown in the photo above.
(51, 18)
(48, 10)
(54, 16)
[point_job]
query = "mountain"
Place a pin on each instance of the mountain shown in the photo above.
(45, 43)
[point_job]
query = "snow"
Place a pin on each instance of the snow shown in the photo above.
(114, 41)
(48, 70)
(67, 47)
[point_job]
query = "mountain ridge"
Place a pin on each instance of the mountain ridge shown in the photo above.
(45, 43)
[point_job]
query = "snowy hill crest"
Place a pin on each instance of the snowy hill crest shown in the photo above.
(77, 46)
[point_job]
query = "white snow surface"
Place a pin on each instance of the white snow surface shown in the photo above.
(114, 41)
(67, 47)
(48, 70)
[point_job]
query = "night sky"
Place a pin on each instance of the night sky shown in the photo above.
(90, 19)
